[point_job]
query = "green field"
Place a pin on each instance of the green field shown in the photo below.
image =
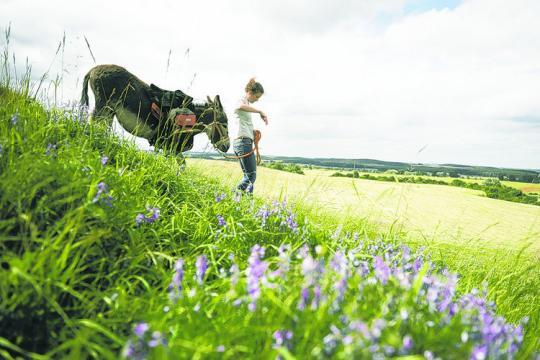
(431, 212)
(525, 187)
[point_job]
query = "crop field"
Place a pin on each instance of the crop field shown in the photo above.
(431, 212)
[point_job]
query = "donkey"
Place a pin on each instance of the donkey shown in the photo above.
(143, 110)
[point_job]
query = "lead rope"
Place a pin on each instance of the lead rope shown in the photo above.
(257, 137)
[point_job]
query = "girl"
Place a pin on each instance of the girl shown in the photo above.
(243, 143)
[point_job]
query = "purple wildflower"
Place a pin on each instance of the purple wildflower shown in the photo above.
(417, 264)
(102, 187)
(255, 274)
(138, 348)
(152, 217)
(264, 214)
(15, 118)
(382, 271)
(220, 348)
(154, 214)
(175, 287)
(157, 339)
(316, 297)
(140, 329)
(104, 160)
(220, 197)
(221, 221)
(129, 351)
(139, 219)
(479, 353)
(201, 267)
(407, 343)
(291, 223)
(282, 338)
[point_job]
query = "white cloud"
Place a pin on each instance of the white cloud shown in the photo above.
(340, 82)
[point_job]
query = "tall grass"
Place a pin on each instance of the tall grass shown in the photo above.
(107, 250)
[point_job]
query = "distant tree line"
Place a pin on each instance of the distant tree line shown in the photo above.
(278, 165)
(491, 187)
(377, 166)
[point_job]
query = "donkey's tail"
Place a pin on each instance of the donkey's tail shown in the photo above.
(84, 95)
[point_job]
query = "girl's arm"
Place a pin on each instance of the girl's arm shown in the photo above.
(251, 109)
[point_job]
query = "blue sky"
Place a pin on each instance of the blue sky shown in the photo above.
(417, 6)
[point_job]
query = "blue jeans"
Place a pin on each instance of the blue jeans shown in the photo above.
(249, 165)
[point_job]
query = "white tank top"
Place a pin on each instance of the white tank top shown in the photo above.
(245, 125)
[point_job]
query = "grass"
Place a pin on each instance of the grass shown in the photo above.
(80, 278)
(448, 214)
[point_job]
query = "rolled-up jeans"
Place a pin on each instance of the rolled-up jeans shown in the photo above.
(241, 147)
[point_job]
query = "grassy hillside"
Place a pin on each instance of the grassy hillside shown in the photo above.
(109, 251)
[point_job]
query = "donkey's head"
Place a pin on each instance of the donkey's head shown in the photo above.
(216, 123)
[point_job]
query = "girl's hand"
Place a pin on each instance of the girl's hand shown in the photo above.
(264, 117)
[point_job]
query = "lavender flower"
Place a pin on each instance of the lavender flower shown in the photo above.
(139, 219)
(255, 274)
(407, 343)
(479, 353)
(220, 348)
(220, 197)
(382, 271)
(304, 297)
(282, 338)
(140, 329)
(157, 339)
(104, 160)
(15, 118)
(221, 221)
(291, 223)
(175, 287)
(152, 217)
(102, 187)
(139, 347)
(201, 266)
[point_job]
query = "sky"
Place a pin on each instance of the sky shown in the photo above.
(417, 81)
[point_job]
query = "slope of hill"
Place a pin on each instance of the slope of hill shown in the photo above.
(107, 251)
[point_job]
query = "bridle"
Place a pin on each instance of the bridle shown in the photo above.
(215, 125)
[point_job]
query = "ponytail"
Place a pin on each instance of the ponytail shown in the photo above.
(254, 87)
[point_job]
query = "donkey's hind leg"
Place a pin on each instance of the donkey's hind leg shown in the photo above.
(181, 162)
(103, 113)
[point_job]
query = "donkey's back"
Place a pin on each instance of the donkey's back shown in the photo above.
(114, 86)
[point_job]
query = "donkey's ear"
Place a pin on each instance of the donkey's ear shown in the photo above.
(217, 100)
(209, 100)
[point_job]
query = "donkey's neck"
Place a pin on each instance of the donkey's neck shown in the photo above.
(199, 110)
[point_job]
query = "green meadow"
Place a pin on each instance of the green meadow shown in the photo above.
(433, 213)
(110, 252)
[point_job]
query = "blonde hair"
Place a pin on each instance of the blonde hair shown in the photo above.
(254, 87)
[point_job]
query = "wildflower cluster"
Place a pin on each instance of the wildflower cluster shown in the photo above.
(151, 216)
(102, 194)
(373, 297)
(139, 345)
(279, 214)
